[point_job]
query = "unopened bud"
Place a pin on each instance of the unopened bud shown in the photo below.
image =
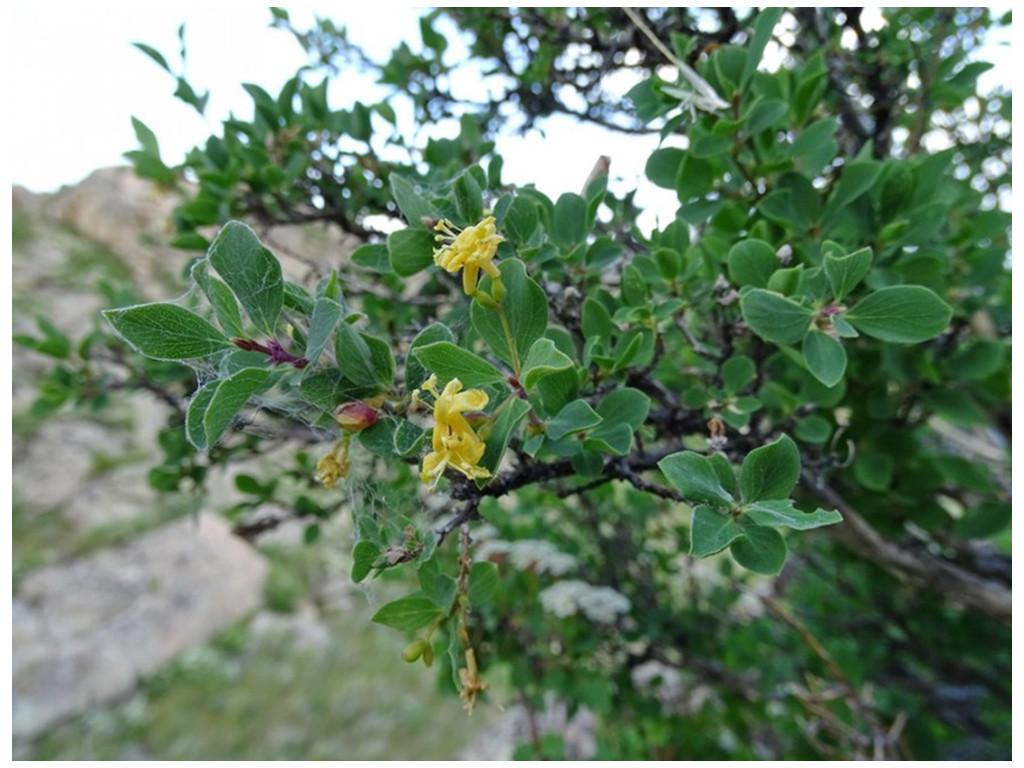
(414, 650)
(497, 290)
(485, 299)
(356, 416)
(428, 655)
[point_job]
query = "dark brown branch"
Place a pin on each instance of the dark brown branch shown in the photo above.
(922, 569)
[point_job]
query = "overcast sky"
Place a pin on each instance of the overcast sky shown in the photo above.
(79, 81)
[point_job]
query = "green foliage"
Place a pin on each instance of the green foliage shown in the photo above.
(817, 340)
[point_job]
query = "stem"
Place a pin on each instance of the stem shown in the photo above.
(509, 340)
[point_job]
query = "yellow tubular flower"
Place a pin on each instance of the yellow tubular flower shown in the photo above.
(334, 465)
(454, 443)
(470, 250)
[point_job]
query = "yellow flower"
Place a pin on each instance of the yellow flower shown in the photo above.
(334, 465)
(470, 250)
(454, 443)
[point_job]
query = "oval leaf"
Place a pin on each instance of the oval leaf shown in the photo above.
(711, 531)
(903, 314)
(251, 271)
(407, 614)
(695, 476)
(166, 331)
(761, 550)
(449, 362)
(825, 357)
(771, 471)
(775, 318)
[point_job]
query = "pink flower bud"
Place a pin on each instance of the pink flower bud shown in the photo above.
(356, 416)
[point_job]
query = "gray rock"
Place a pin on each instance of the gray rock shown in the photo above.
(85, 632)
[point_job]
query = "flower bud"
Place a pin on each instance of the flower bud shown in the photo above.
(485, 299)
(417, 648)
(356, 416)
(498, 289)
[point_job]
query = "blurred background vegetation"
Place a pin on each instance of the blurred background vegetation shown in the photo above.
(889, 639)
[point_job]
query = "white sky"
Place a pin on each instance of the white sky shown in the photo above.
(79, 81)
(82, 81)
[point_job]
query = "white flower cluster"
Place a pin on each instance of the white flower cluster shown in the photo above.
(599, 604)
(536, 554)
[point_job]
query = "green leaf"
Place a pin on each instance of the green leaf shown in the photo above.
(166, 331)
(379, 439)
(771, 471)
(468, 198)
(984, 521)
(414, 206)
(696, 177)
(408, 613)
(873, 470)
(711, 531)
(782, 513)
(155, 55)
(146, 137)
(327, 389)
(411, 250)
(857, 178)
(415, 373)
(543, 360)
(323, 321)
(509, 417)
(550, 376)
(381, 359)
(761, 550)
(813, 429)
(712, 145)
(774, 317)
(526, 309)
(695, 476)
(374, 257)
(251, 271)
(195, 428)
(356, 360)
(737, 372)
(574, 417)
(569, 226)
(622, 411)
(364, 555)
(816, 146)
(438, 586)
(764, 25)
(220, 297)
(483, 583)
(825, 357)
(977, 360)
(229, 398)
(845, 272)
(765, 114)
(752, 262)
(449, 362)
(903, 314)
(407, 438)
(296, 297)
(595, 320)
(664, 165)
(724, 470)
(635, 288)
(520, 221)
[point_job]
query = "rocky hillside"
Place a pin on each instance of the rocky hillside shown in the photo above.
(143, 628)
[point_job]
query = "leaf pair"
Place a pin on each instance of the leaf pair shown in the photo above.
(744, 516)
